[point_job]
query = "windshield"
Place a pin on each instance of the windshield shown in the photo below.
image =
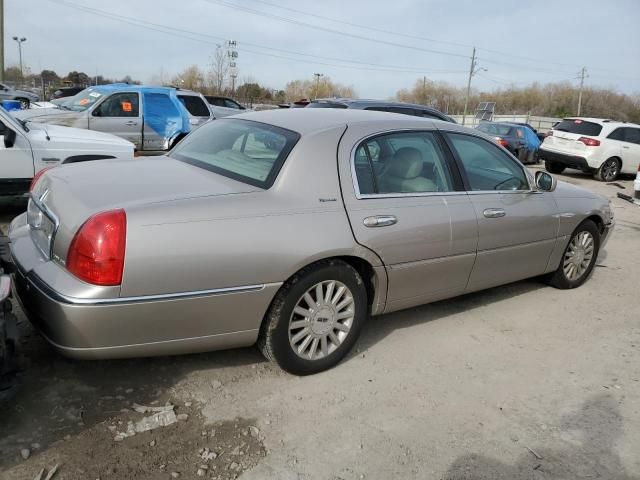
(82, 101)
(250, 152)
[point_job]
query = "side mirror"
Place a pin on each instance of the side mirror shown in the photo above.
(9, 138)
(545, 181)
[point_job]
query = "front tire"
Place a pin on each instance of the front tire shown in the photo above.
(609, 170)
(579, 257)
(554, 167)
(315, 318)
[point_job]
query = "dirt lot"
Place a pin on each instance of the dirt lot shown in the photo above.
(522, 381)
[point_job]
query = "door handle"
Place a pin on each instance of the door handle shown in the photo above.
(380, 221)
(131, 123)
(625, 146)
(494, 212)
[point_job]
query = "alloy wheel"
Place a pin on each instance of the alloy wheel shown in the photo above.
(321, 320)
(610, 170)
(578, 256)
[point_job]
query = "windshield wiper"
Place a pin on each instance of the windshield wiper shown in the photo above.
(23, 123)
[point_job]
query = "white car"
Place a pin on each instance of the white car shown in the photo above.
(605, 148)
(27, 148)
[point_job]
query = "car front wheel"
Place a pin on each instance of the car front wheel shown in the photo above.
(315, 318)
(579, 257)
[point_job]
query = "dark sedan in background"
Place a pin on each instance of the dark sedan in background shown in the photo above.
(382, 106)
(520, 140)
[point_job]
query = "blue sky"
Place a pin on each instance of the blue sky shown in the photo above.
(279, 40)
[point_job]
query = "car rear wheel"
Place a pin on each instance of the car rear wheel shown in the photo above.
(609, 170)
(315, 318)
(579, 257)
(553, 167)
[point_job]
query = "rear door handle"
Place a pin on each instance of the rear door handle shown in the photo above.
(494, 212)
(380, 221)
(131, 123)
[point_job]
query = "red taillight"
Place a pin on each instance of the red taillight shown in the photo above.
(96, 253)
(589, 142)
(501, 141)
(36, 177)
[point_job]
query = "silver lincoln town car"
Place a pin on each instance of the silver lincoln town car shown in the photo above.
(289, 229)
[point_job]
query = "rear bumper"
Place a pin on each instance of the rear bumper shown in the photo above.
(137, 327)
(570, 161)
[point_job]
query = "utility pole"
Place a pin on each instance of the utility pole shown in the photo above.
(424, 89)
(471, 70)
(1, 40)
(317, 75)
(583, 75)
(233, 83)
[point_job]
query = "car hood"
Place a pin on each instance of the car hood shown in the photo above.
(58, 134)
(77, 191)
(54, 115)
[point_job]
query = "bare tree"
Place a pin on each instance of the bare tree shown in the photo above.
(190, 78)
(219, 69)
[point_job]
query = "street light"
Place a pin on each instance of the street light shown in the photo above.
(20, 41)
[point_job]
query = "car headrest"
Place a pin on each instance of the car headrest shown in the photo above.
(406, 163)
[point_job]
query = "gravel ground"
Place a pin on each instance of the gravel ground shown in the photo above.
(520, 381)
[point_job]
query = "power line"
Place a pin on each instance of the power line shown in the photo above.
(389, 32)
(194, 36)
(331, 30)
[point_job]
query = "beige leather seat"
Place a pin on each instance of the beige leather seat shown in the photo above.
(404, 173)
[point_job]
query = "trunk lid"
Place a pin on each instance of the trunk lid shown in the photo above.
(72, 193)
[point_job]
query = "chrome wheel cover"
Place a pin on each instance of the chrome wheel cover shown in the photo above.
(321, 320)
(578, 256)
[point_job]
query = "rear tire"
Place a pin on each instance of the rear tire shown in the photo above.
(579, 257)
(554, 167)
(609, 170)
(315, 318)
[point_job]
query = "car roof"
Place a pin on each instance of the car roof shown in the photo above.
(116, 87)
(603, 121)
(372, 102)
(307, 121)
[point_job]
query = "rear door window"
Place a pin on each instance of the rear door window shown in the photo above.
(194, 105)
(579, 127)
(632, 135)
(617, 134)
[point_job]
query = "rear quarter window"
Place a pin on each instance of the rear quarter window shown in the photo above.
(579, 127)
(195, 106)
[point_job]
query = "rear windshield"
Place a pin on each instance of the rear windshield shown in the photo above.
(579, 127)
(496, 129)
(326, 105)
(195, 105)
(250, 152)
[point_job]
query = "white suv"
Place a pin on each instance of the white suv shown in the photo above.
(603, 147)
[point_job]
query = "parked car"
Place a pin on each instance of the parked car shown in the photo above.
(152, 118)
(24, 97)
(604, 148)
(518, 139)
(26, 148)
(224, 106)
(381, 106)
(226, 241)
(64, 92)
